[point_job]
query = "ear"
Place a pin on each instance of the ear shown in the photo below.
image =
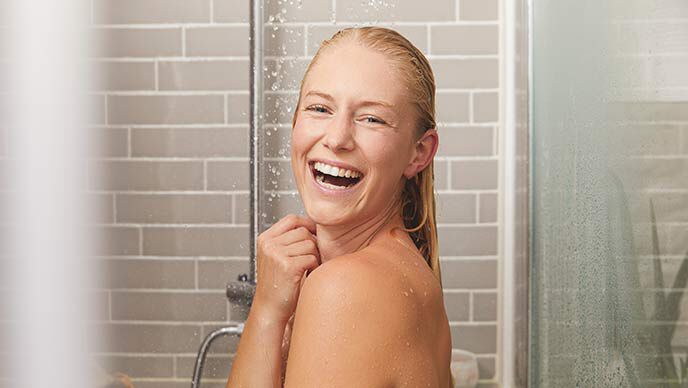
(424, 151)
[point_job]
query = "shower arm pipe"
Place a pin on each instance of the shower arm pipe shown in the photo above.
(255, 128)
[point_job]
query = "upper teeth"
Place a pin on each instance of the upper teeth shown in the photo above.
(336, 171)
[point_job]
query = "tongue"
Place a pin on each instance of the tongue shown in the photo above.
(339, 180)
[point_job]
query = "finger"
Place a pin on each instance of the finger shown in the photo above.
(294, 235)
(308, 262)
(288, 222)
(303, 247)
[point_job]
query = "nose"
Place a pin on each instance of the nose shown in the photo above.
(339, 134)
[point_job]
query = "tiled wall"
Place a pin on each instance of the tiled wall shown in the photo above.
(174, 102)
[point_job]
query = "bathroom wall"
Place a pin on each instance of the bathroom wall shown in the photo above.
(173, 118)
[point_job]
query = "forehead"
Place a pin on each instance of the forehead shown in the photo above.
(349, 70)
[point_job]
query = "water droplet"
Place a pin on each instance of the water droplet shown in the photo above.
(274, 285)
(406, 293)
(407, 344)
(411, 289)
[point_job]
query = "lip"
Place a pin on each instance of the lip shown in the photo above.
(328, 191)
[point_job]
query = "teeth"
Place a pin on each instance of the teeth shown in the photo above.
(336, 171)
(321, 180)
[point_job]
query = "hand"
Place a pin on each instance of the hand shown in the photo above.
(285, 252)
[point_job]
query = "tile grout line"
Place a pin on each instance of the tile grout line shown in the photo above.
(211, 14)
(184, 41)
(477, 208)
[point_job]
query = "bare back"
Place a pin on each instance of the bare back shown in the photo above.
(423, 355)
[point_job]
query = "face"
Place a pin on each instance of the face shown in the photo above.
(354, 114)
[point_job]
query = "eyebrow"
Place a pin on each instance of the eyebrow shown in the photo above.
(363, 103)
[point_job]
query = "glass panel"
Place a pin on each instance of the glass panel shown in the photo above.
(609, 194)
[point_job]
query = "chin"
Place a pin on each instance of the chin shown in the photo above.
(328, 214)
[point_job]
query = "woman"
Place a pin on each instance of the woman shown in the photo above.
(370, 309)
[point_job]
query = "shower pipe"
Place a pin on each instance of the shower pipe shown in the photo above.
(241, 291)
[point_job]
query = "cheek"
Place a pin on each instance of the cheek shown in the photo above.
(301, 139)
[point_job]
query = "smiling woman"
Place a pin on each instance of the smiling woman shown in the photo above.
(351, 295)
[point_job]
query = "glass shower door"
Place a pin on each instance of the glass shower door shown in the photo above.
(609, 194)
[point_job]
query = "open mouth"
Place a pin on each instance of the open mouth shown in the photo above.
(334, 178)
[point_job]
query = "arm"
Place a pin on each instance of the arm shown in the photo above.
(262, 351)
(258, 360)
(344, 331)
(286, 251)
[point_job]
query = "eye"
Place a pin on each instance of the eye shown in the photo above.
(373, 119)
(317, 108)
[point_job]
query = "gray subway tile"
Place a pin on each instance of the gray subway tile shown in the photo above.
(284, 74)
(477, 339)
(466, 73)
(117, 240)
(150, 338)
(301, 11)
(237, 108)
(203, 75)
(457, 305)
(452, 107)
(478, 9)
(159, 109)
(195, 241)
(210, 41)
(485, 107)
(169, 306)
(478, 274)
(474, 174)
(216, 274)
(284, 40)
(216, 366)
(151, 11)
(415, 34)
(148, 175)
(228, 175)
(224, 345)
(465, 39)
(485, 306)
(139, 365)
(486, 367)
(189, 142)
(456, 208)
(468, 240)
(104, 204)
(279, 108)
(115, 76)
(174, 208)
(231, 11)
(139, 42)
(110, 142)
(277, 142)
(279, 176)
(465, 141)
(440, 173)
(488, 207)
(437, 10)
(144, 273)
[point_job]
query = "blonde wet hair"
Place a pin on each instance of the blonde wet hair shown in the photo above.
(417, 206)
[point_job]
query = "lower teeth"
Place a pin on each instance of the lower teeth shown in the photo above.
(321, 180)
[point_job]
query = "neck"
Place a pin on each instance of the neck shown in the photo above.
(338, 240)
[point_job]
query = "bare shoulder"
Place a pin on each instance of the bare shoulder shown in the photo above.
(342, 336)
(356, 317)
